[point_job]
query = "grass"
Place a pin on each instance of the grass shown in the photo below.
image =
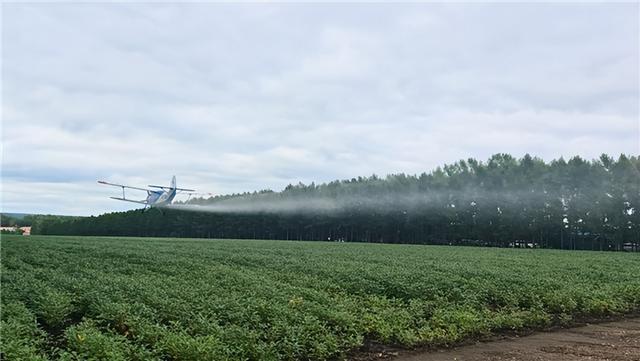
(81, 298)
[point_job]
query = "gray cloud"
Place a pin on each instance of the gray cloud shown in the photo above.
(234, 98)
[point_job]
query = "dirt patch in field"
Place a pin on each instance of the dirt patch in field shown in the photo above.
(614, 341)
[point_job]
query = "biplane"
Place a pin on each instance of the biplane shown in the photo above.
(159, 196)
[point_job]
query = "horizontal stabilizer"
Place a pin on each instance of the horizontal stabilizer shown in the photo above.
(185, 190)
(178, 189)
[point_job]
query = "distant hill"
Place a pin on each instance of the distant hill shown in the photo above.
(26, 219)
(16, 215)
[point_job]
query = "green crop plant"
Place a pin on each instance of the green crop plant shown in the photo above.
(93, 298)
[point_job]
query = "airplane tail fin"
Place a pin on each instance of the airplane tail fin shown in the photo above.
(171, 186)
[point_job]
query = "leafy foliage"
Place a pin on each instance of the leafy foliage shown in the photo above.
(91, 298)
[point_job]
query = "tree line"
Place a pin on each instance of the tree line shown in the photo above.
(504, 201)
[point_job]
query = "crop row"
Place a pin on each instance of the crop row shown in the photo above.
(78, 298)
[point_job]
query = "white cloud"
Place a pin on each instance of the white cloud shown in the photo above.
(235, 98)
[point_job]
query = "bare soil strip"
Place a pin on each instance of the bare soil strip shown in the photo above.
(611, 341)
(605, 341)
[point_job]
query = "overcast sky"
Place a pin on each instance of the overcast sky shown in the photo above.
(234, 98)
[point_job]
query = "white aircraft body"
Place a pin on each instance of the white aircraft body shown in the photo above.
(155, 198)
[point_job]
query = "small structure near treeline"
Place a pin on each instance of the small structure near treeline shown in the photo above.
(25, 231)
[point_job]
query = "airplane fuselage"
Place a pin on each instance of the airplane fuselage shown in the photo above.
(161, 198)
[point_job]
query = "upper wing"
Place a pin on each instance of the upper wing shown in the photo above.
(122, 185)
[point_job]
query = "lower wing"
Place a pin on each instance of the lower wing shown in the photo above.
(129, 200)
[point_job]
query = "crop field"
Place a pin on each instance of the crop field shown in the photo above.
(81, 298)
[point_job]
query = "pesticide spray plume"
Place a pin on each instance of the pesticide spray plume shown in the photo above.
(274, 203)
(262, 206)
